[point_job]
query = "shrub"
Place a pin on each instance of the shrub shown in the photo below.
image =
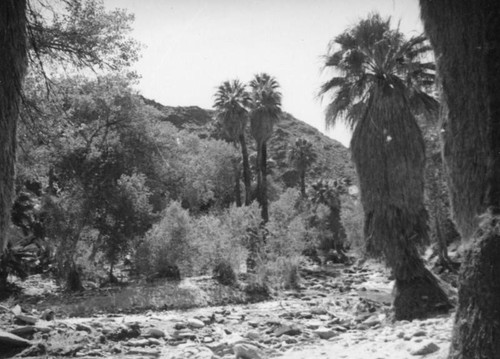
(197, 245)
(279, 257)
(208, 174)
(224, 273)
(167, 244)
(282, 273)
(352, 219)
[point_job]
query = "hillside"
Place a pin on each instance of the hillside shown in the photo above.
(333, 158)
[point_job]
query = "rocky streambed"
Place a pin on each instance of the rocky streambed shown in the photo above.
(338, 312)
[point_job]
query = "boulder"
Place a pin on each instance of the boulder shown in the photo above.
(195, 323)
(9, 340)
(154, 333)
(247, 351)
(287, 329)
(425, 349)
(325, 333)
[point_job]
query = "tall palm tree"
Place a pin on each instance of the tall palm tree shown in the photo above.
(266, 111)
(302, 156)
(231, 103)
(466, 38)
(381, 87)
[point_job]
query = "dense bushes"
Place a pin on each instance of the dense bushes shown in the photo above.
(220, 243)
(197, 245)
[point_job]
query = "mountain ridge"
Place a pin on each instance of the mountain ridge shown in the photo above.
(334, 159)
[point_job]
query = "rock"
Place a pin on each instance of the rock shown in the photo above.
(36, 350)
(287, 330)
(146, 352)
(208, 340)
(195, 323)
(195, 352)
(254, 336)
(26, 319)
(372, 321)
(184, 334)
(180, 325)
(43, 328)
(94, 353)
(425, 349)
(325, 333)
(9, 340)
(16, 310)
(48, 314)
(314, 324)
(71, 350)
(305, 315)
(25, 332)
(154, 333)
(137, 342)
(339, 328)
(319, 311)
(253, 323)
(247, 351)
(124, 332)
(420, 333)
(83, 328)
(154, 341)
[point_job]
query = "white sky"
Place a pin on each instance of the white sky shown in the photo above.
(194, 45)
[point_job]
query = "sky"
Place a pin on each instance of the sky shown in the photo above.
(192, 46)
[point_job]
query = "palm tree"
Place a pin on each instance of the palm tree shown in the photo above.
(12, 69)
(466, 38)
(382, 85)
(302, 156)
(266, 111)
(231, 103)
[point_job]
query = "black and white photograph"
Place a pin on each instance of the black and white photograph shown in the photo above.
(250, 179)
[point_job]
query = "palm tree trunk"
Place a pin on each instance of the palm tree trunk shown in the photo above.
(246, 170)
(237, 187)
(466, 38)
(303, 183)
(263, 189)
(12, 70)
(419, 294)
(258, 161)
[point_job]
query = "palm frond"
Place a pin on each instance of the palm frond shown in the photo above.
(231, 102)
(332, 84)
(371, 56)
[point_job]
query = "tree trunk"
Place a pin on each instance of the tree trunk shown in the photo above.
(444, 260)
(303, 183)
(237, 187)
(12, 70)
(466, 39)
(4, 274)
(417, 295)
(263, 189)
(259, 173)
(73, 278)
(476, 331)
(246, 170)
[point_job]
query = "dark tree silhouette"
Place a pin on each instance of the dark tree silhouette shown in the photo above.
(466, 38)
